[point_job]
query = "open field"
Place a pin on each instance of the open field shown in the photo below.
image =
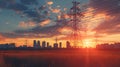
(60, 58)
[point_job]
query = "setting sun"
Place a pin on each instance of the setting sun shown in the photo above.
(88, 43)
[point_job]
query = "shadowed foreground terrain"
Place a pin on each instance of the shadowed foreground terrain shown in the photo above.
(60, 58)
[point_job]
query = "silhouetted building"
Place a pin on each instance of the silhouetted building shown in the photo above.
(24, 46)
(55, 45)
(35, 44)
(7, 45)
(12, 45)
(48, 45)
(38, 44)
(108, 46)
(116, 45)
(68, 44)
(60, 45)
(44, 44)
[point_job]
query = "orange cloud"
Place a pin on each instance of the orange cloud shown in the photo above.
(45, 22)
(56, 10)
(66, 16)
(58, 17)
(118, 26)
(27, 24)
(50, 3)
(63, 16)
(65, 30)
(22, 24)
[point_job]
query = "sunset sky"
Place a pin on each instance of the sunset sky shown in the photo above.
(22, 20)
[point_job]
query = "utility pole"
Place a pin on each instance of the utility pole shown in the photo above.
(26, 42)
(56, 40)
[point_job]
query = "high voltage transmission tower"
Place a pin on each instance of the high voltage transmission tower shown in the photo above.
(75, 16)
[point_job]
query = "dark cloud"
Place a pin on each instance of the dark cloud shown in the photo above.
(6, 3)
(18, 7)
(22, 35)
(48, 31)
(110, 26)
(3, 4)
(12, 4)
(111, 7)
(28, 2)
(12, 35)
(37, 32)
(35, 15)
(31, 13)
(25, 9)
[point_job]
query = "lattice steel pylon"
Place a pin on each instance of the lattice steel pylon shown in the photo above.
(75, 20)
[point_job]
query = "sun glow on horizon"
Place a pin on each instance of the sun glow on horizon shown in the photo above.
(88, 43)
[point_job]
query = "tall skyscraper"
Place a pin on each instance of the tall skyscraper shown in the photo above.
(44, 44)
(34, 44)
(47, 44)
(60, 45)
(68, 44)
(38, 44)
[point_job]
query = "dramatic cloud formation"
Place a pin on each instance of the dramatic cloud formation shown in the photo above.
(39, 18)
(25, 9)
(110, 8)
(39, 15)
(45, 20)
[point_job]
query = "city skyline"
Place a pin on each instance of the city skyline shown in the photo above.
(22, 20)
(38, 44)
